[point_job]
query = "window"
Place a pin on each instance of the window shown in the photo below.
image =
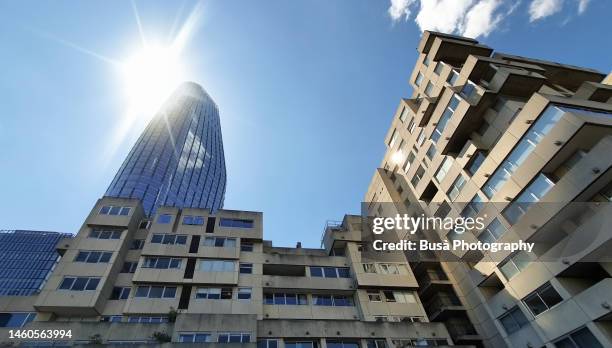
(531, 195)
(392, 268)
(398, 296)
(475, 162)
(376, 343)
(217, 266)
(369, 268)
(129, 267)
(330, 272)
(214, 293)
(542, 299)
(374, 296)
(16, 319)
(513, 320)
(246, 245)
(285, 299)
(156, 291)
(195, 337)
(473, 208)
(137, 244)
(115, 210)
(403, 114)
(79, 283)
(418, 175)
(193, 220)
(468, 90)
(393, 139)
(523, 149)
(411, 126)
(267, 343)
(233, 337)
(219, 242)
(164, 218)
(514, 264)
(144, 224)
(452, 77)
(301, 344)
(333, 300)
(455, 189)
(492, 232)
(419, 79)
(237, 223)
(581, 338)
(429, 89)
(112, 318)
(243, 294)
(438, 68)
(246, 268)
(421, 138)
(446, 116)
(120, 293)
(443, 169)
(426, 61)
(409, 160)
(162, 263)
(331, 343)
(146, 319)
(101, 233)
(167, 238)
(93, 256)
(431, 152)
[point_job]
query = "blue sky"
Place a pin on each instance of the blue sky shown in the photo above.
(306, 91)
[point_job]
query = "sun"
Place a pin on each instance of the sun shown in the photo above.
(150, 76)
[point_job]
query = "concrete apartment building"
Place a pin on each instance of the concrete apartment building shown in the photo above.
(516, 140)
(191, 277)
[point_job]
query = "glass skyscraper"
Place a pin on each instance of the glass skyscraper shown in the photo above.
(26, 259)
(178, 160)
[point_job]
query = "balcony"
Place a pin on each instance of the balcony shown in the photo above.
(442, 306)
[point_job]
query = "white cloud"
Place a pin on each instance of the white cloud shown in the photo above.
(442, 15)
(582, 6)
(482, 19)
(399, 9)
(539, 9)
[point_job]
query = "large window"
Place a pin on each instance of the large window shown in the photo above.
(115, 210)
(104, 233)
(267, 343)
(513, 320)
(393, 138)
(474, 207)
(167, 238)
(79, 283)
(280, 298)
(419, 79)
(214, 293)
(236, 223)
(455, 189)
(514, 264)
(233, 337)
(429, 89)
(475, 162)
(156, 291)
(93, 256)
(391, 296)
(418, 175)
(193, 220)
(492, 232)
(531, 195)
(162, 263)
(219, 242)
(392, 268)
(376, 343)
(542, 299)
(164, 218)
(195, 337)
(301, 344)
(444, 168)
(581, 338)
(330, 272)
(342, 344)
(16, 319)
(524, 147)
(409, 160)
(446, 116)
(120, 293)
(129, 267)
(217, 266)
(333, 300)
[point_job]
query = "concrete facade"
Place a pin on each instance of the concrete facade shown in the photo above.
(479, 131)
(199, 277)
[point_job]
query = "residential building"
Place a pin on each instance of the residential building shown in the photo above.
(189, 276)
(178, 160)
(26, 260)
(520, 142)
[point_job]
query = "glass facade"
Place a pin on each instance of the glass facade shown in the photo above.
(178, 160)
(26, 259)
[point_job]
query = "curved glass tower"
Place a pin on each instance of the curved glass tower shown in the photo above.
(178, 160)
